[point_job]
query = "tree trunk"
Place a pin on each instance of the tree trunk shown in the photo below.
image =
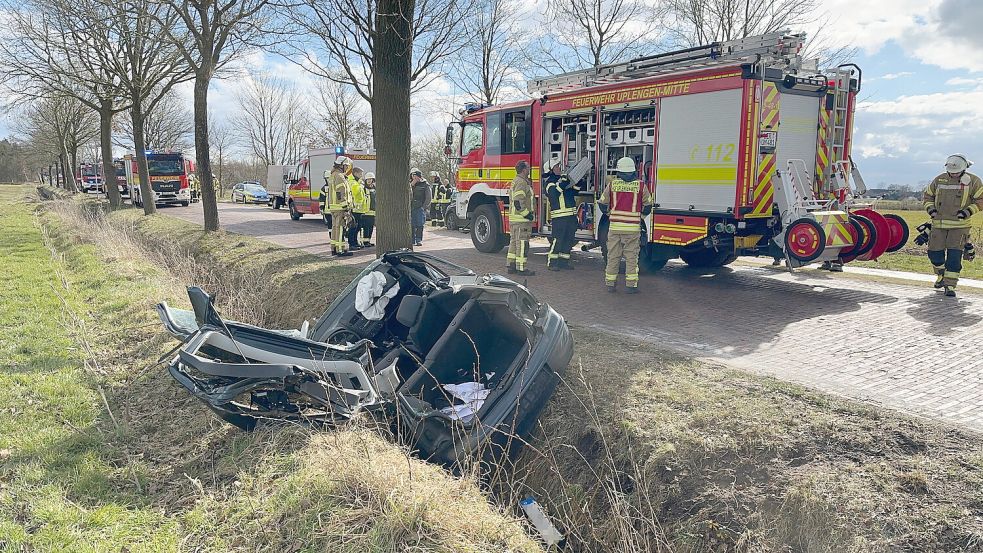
(209, 204)
(106, 144)
(391, 122)
(140, 145)
(68, 169)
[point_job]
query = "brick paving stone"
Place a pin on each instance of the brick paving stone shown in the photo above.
(903, 346)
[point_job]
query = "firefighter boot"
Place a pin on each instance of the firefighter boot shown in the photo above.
(939, 275)
(512, 270)
(565, 264)
(950, 291)
(631, 290)
(612, 288)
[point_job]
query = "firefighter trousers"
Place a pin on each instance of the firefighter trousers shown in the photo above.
(352, 232)
(622, 244)
(338, 242)
(519, 235)
(945, 251)
(366, 227)
(564, 233)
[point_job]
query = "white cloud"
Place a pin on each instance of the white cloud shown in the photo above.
(898, 75)
(944, 33)
(883, 145)
(951, 110)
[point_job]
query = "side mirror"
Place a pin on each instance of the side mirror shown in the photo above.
(449, 138)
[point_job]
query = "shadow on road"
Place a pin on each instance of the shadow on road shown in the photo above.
(943, 315)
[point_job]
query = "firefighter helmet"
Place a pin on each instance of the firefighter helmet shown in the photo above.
(549, 165)
(626, 165)
(342, 161)
(957, 163)
(434, 174)
(369, 175)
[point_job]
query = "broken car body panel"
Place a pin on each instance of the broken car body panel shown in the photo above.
(433, 329)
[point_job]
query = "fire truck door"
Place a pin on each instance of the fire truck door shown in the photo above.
(697, 151)
(797, 129)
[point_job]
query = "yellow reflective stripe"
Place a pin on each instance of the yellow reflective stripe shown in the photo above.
(562, 212)
(949, 224)
(710, 175)
(625, 226)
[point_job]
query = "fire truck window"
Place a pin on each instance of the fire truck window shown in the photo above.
(472, 137)
(493, 146)
(516, 133)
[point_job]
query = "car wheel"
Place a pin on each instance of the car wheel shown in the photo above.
(486, 229)
(294, 214)
(650, 264)
(450, 220)
(185, 204)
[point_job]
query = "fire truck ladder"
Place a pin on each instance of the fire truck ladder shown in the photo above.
(841, 167)
(768, 48)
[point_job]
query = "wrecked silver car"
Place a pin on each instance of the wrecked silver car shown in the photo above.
(455, 360)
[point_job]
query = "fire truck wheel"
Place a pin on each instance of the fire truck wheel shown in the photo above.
(707, 257)
(899, 232)
(856, 234)
(649, 264)
(294, 214)
(486, 229)
(805, 240)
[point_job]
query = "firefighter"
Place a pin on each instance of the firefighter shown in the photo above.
(368, 207)
(358, 200)
(339, 203)
(441, 198)
(561, 194)
(521, 216)
(951, 199)
(625, 201)
(420, 198)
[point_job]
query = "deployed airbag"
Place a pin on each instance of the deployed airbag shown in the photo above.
(372, 297)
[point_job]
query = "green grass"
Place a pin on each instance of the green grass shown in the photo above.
(913, 258)
(149, 468)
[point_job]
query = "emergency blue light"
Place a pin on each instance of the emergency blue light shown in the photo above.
(339, 150)
(148, 152)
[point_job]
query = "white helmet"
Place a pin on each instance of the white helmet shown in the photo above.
(342, 160)
(957, 163)
(549, 165)
(626, 165)
(434, 174)
(369, 175)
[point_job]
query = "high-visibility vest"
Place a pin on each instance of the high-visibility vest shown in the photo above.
(340, 193)
(358, 197)
(625, 201)
(369, 201)
(520, 200)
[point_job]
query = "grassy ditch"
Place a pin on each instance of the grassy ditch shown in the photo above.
(640, 450)
(101, 451)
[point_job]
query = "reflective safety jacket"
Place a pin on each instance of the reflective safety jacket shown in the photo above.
(625, 201)
(340, 192)
(358, 196)
(369, 202)
(443, 195)
(948, 195)
(521, 200)
(561, 195)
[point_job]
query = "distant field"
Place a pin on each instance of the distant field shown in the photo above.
(913, 258)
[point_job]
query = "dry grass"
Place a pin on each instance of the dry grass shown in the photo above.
(149, 468)
(640, 450)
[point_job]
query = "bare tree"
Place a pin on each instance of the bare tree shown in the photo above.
(588, 33)
(167, 126)
(341, 118)
(219, 31)
(51, 46)
(142, 66)
(272, 120)
(345, 33)
(706, 21)
(491, 59)
(61, 125)
(427, 153)
(385, 49)
(392, 80)
(221, 137)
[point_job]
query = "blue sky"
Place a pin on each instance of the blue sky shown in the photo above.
(922, 96)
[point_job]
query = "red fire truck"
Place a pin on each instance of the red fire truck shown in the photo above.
(745, 145)
(172, 179)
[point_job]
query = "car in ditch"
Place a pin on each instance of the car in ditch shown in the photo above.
(461, 364)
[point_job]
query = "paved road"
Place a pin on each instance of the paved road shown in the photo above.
(902, 346)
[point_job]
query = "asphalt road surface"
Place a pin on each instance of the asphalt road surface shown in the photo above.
(903, 346)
